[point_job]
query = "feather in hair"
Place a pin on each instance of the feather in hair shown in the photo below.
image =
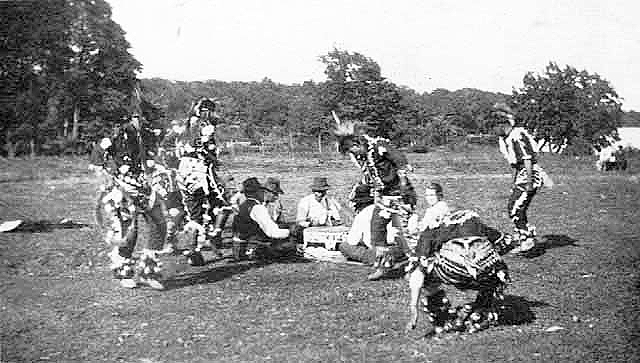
(345, 128)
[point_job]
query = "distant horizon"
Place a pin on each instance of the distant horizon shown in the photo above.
(292, 84)
(423, 45)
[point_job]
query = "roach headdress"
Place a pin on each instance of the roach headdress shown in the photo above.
(345, 131)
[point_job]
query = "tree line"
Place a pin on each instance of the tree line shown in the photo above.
(71, 77)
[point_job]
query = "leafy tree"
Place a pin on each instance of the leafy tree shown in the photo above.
(567, 106)
(100, 75)
(64, 60)
(305, 117)
(31, 66)
(357, 91)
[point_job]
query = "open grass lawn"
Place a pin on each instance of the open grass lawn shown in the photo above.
(59, 303)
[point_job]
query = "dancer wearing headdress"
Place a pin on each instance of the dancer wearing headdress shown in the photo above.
(385, 170)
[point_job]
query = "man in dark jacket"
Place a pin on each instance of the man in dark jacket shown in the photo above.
(253, 226)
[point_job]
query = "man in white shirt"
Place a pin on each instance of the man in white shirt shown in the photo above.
(359, 246)
(317, 209)
(253, 225)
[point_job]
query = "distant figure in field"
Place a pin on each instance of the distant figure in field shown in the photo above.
(621, 159)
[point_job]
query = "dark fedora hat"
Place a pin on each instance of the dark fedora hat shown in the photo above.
(320, 184)
(273, 185)
(251, 185)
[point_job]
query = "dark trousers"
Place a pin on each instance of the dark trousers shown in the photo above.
(358, 253)
(124, 233)
(518, 204)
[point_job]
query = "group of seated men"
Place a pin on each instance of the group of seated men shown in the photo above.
(259, 221)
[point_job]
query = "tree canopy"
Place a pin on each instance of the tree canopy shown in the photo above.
(357, 91)
(68, 77)
(565, 106)
(67, 67)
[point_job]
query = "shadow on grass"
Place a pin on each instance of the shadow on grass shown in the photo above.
(517, 310)
(221, 272)
(39, 226)
(550, 241)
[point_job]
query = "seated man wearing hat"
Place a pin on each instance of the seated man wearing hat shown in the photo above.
(253, 225)
(317, 209)
(273, 203)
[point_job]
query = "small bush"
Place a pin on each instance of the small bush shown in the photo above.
(418, 149)
(578, 148)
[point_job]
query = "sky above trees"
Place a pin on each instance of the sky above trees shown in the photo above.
(489, 45)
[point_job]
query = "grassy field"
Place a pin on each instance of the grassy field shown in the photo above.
(59, 303)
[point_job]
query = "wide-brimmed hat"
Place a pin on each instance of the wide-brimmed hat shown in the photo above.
(320, 184)
(251, 185)
(273, 185)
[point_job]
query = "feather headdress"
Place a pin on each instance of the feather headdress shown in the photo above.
(345, 131)
(204, 103)
(502, 110)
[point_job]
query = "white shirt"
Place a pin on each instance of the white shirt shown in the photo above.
(314, 213)
(433, 215)
(260, 214)
(361, 228)
(275, 209)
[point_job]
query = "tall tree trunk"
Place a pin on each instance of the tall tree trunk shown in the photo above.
(320, 143)
(76, 120)
(32, 148)
(290, 141)
(10, 145)
(52, 111)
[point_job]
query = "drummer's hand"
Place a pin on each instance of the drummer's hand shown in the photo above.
(304, 224)
(293, 228)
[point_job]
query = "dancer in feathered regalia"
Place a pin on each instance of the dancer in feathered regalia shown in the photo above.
(519, 149)
(124, 158)
(385, 171)
(202, 190)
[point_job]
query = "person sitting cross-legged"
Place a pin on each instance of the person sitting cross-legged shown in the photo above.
(318, 209)
(273, 204)
(358, 246)
(253, 226)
